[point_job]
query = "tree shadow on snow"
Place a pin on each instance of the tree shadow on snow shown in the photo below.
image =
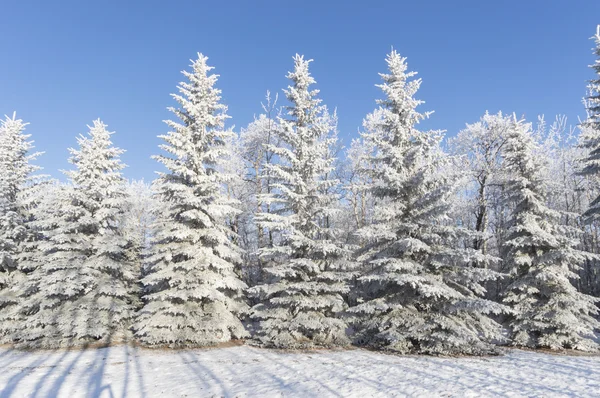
(21, 372)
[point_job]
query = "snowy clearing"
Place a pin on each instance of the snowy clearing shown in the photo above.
(251, 372)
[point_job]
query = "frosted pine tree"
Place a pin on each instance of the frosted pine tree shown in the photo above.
(421, 293)
(302, 294)
(548, 310)
(591, 132)
(17, 195)
(193, 296)
(81, 293)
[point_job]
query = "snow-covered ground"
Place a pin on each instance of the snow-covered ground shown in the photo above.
(251, 372)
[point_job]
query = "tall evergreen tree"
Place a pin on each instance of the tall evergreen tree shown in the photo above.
(81, 292)
(193, 296)
(421, 294)
(591, 132)
(548, 310)
(17, 189)
(302, 294)
(590, 168)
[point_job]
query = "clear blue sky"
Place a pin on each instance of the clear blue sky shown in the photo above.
(66, 63)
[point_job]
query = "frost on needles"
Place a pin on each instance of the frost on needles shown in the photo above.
(548, 310)
(83, 290)
(192, 294)
(591, 133)
(421, 293)
(399, 246)
(302, 295)
(18, 188)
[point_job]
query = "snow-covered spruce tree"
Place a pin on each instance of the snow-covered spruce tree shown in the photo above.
(421, 293)
(302, 294)
(590, 168)
(17, 194)
(548, 310)
(81, 292)
(192, 294)
(570, 193)
(591, 131)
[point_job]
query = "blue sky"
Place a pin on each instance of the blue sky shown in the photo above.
(66, 63)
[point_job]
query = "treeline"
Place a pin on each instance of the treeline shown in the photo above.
(404, 241)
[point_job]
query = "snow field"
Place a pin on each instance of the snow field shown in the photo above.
(243, 371)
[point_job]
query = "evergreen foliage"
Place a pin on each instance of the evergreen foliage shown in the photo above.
(305, 282)
(81, 291)
(192, 294)
(421, 293)
(549, 312)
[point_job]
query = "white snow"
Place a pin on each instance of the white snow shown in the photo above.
(244, 371)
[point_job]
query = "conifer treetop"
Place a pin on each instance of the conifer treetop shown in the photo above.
(399, 89)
